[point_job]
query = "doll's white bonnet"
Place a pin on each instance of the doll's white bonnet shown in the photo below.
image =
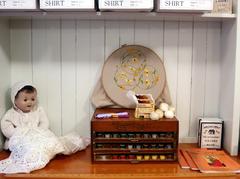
(17, 87)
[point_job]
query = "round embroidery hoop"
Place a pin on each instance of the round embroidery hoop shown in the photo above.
(136, 68)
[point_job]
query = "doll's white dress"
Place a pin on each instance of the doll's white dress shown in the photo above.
(33, 148)
(31, 143)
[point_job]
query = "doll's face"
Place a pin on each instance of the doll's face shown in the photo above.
(26, 101)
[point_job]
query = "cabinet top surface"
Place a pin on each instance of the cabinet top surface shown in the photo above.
(130, 118)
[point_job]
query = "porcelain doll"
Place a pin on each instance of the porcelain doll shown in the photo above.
(26, 128)
(24, 112)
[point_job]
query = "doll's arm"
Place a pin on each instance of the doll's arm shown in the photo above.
(43, 122)
(7, 127)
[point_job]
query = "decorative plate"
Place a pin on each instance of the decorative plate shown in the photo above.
(135, 68)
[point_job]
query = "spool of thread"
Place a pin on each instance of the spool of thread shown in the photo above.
(99, 146)
(107, 135)
(169, 135)
(169, 156)
(146, 157)
(168, 146)
(139, 157)
(130, 146)
(124, 135)
(138, 146)
(115, 135)
(154, 157)
(115, 157)
(115, 146)
(103, 157)
(132, 157)
(100, 135)
(154, 136)
(161, 135)
(160, 146)
(131, 135)
(123, 146)
(138, 135)
(146, 135)
(153, 146)
(162, 157)
(122, 157)
(145, 146)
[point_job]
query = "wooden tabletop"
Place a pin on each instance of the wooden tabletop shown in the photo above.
(79, 166)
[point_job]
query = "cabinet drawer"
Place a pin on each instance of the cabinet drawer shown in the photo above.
(135, 126)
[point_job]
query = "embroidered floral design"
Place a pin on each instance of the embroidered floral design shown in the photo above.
(134, 73)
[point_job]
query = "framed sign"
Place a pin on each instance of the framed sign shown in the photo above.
(210, 133)
(222, 6)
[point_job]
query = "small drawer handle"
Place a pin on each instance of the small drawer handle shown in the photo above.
(134, 140)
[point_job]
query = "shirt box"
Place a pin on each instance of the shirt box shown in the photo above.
(84, 5)
(125, 5)
(18, 4)
(184, 5)
(210, 133)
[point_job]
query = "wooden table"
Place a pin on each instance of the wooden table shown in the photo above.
(79, 165)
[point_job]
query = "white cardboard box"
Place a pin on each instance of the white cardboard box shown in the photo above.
(184, 5)
(18, 4)
(125, 5)
(67, 4)
(210, 133)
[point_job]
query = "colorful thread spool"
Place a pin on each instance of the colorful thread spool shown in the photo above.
(146, 157)
(154, 136)
(132, 157)
(162, 157)
(139, 157)
(115, 157)
(154, 157)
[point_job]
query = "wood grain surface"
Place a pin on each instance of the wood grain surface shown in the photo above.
(79, 166)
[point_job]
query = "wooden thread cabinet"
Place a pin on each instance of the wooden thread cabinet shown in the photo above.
(133, 140)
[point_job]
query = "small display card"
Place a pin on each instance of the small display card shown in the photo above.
(185, 5)
(210, 133)
(121, 5)
(67, 4)
(18, 4)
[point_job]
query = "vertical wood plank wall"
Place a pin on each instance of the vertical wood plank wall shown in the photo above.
(4, 70)
(64, 59)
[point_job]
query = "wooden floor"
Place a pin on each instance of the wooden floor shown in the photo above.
(79, 166)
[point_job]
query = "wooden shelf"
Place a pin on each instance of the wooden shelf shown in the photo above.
(133, 161)
(41, 14)
(106, 150)
(125, 140)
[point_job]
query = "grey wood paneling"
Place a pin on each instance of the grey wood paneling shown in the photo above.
(64, 58)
